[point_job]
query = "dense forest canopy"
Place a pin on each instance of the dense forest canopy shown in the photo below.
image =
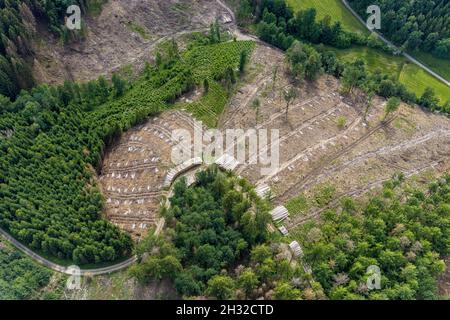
(418, 24)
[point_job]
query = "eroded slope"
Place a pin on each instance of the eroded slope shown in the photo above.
(124, 34)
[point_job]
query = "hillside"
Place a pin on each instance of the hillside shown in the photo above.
(181, 150)
(124, 35)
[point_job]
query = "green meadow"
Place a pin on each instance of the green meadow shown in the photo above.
(412, 76)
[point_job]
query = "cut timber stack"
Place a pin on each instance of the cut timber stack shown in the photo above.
(279, 214)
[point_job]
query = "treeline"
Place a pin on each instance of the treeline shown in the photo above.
(17, 26)
(18, 23)
(403, 231)
(277, 25)
(53, 138)
(217, 244)
(420, 24)
(356, 76)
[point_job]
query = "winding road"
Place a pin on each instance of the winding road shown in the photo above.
(406, 55)
(58, 268)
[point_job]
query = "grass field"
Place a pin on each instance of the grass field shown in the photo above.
(412, 76)
(441, 66)
(20, 277)
(374, 59)
(117, 286)
(334, 8)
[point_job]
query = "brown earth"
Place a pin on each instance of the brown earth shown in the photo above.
(314, 150)
(124, 34)
(120, 286)
(324, 141)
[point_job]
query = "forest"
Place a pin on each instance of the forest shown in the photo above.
(276, 24)
(217, 244)
(19, 20)
(413, 25)
(52, 141)
(403, 230)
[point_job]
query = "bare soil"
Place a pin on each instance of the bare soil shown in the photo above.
(112, 40)
(444, 282)
(314, 150)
